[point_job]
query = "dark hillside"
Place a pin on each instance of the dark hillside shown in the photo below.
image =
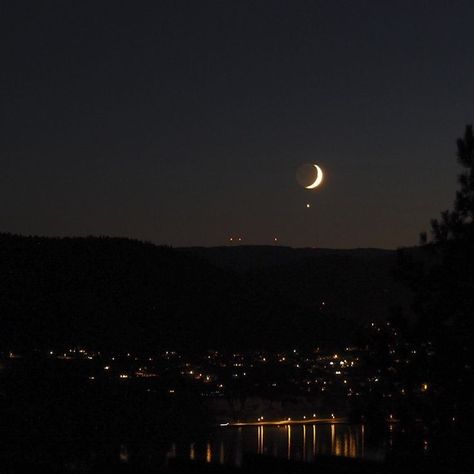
(113, 292)
(355, 285)
(244, 258)
(120, 293)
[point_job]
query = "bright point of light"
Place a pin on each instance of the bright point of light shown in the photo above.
(308, 205)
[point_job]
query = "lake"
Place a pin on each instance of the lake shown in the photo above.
(228, 445)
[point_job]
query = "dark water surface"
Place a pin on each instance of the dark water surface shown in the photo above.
(228, 445)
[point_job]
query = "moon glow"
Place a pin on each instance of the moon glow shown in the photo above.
(318, 180)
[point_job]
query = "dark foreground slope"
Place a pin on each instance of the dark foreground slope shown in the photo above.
(120, 293)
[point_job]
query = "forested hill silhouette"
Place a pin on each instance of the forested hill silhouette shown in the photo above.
(113, 292)
(120, 293)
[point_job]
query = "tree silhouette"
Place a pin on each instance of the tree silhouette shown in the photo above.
(441, 274)
(458, 224)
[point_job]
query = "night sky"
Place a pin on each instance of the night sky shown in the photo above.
(183, 122)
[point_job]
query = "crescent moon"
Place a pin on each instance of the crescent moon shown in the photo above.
(318, 180)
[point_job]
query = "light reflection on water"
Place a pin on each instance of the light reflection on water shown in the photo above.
(296, 442)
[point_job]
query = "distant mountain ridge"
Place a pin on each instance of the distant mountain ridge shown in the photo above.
(354, 284)
(251, 257)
